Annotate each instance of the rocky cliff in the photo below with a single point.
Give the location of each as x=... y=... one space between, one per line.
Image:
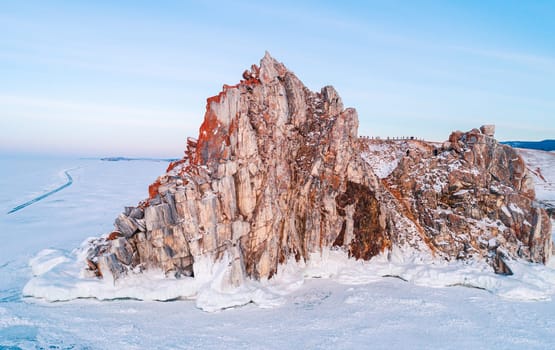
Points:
x=472 y=197
x=278 y=172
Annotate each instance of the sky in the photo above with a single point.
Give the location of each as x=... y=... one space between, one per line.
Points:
x=131 y=78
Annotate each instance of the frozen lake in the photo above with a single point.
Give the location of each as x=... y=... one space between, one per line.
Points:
x=320 y=314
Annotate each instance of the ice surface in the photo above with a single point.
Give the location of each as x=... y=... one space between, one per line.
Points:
x=59 y=279
x=329 y=303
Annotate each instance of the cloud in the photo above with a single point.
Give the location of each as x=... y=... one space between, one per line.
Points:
x=535 y=61
x=112 y=64
x=64 y=111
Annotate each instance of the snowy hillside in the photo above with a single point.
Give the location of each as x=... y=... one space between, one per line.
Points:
x=330 y=303
x=542 y=165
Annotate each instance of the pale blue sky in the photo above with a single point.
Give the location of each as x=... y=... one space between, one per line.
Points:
x=131 y=78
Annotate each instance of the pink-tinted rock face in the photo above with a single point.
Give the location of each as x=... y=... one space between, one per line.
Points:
x=277 y=172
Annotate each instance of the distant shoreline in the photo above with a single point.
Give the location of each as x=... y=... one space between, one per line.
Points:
x=545 y=145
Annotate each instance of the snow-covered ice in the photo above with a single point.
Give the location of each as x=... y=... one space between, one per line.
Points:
x=330 y=302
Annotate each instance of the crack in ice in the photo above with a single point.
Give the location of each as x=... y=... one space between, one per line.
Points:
x=43 y=196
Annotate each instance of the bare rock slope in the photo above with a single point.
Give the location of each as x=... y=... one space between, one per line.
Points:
x=279 y=172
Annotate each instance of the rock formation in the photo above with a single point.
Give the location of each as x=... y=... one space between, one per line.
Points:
x=472 y=197
x=277 y=172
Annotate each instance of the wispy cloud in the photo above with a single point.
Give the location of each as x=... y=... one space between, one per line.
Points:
x=533 y=60
x=105 y=63
x=64 y=110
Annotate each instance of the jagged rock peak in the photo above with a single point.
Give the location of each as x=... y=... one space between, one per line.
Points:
x=270 y=69
x=273 y=174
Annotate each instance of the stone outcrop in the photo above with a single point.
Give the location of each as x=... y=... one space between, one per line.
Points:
x=277 y=173
x=473 y=197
